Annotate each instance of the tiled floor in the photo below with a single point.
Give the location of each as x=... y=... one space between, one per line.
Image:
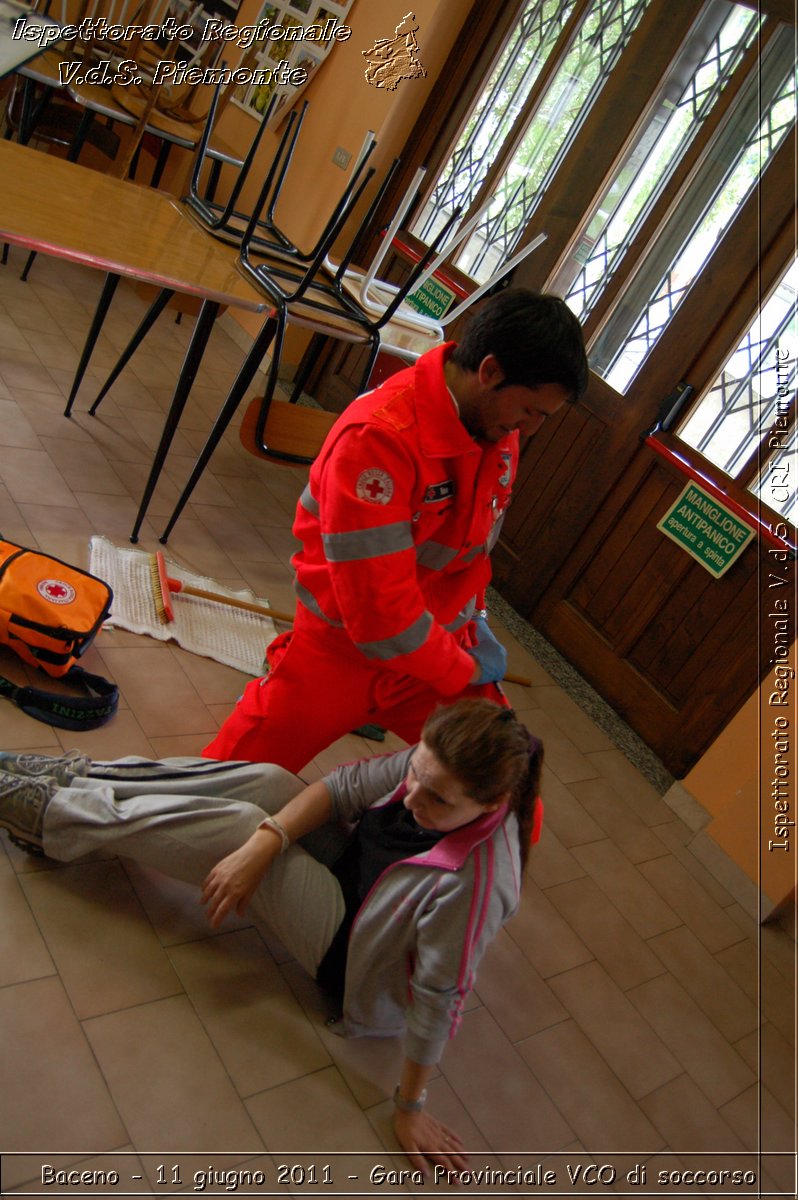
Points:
x=617 y=1018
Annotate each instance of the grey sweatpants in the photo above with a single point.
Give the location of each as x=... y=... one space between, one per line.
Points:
x=182 y=815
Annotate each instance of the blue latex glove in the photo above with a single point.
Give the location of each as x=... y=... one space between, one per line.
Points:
x=490 y=654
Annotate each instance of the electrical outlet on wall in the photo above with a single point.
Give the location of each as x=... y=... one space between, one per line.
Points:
x=341 y=158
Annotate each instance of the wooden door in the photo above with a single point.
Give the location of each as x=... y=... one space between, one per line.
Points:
x=673 y=649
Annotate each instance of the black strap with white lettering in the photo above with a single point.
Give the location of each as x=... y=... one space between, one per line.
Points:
x=66 y=711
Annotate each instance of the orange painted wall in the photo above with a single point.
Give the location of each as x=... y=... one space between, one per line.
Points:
x=734 y=782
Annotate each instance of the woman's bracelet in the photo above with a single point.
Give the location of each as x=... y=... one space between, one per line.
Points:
x=273 y=823
x=409 y=1105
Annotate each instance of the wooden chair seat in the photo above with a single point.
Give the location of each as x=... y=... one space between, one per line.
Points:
x=292 y=429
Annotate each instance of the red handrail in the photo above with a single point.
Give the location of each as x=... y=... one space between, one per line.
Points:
x=740 y=510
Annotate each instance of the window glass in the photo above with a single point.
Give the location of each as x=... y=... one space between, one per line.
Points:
x=758 y=123
x=495 y=113
x=695 y=82
x=595 y=49
x=752 y=402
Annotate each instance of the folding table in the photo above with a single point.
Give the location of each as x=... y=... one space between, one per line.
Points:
x=64 y=209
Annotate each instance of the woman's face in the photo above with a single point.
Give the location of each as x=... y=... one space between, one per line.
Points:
x=435 y=798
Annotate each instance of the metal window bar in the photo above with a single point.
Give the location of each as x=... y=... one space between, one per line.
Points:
x=740 y=422
x=602 y=36
x=496 y=111
x=728 y=174
x=617 y=218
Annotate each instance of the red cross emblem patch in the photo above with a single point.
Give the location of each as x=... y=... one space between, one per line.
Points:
x=56 y=591
x=374 y=485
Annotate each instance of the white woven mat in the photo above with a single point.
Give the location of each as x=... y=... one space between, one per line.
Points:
x=229 y=635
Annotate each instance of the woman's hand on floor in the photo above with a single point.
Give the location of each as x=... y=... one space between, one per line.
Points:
x=426 y=1140
x=231 y=884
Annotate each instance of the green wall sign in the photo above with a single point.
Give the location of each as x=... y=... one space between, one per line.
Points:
x=708 y=531
x=433 y=299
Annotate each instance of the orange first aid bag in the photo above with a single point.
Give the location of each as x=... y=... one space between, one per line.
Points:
x=49 y=615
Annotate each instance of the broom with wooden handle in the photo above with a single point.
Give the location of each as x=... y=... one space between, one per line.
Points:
x=163 y=586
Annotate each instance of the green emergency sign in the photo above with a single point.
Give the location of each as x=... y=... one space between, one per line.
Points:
x=708 y=531
x=433 y=299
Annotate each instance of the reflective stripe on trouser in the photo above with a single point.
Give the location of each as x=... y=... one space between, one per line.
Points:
x=190 y=816
x=321 y=689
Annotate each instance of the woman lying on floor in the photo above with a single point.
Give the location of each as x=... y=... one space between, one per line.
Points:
x=393 y=927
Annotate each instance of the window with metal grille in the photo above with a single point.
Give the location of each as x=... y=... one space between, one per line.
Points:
x=499 y=118
x=763 y=115
x=696 y=80
x=745 y=423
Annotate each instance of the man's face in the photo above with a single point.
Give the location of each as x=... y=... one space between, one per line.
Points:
x=497 y=411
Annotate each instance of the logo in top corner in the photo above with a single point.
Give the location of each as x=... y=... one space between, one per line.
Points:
x=390 y=60
x=56 y=591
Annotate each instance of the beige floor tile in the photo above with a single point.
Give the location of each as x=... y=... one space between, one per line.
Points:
x=550 y=863
x=775 y=996
x=15 y=428
x=503 y=1097
x=621 y=951
x=35 y=1070
x=543 y=936
x=618 y=821
x=571 y=719
x=159 y=692
x=625 y=1041
x=709 y=1060
x=513 y=991
x=88 y=471
x=104 y=947
x=23 y=952
x=772 y=1058
x=563 y=757
x=626 y=887
x=174 y=908
x=693 y=904
x=299 y=1116
x=121 y=736
x=21 y=373
x=593 y=1101
x=257 y=1027
x=681 y=841
x=704 y=978
x=631 y=785
x=759 y=1121
x=215 y=683
x=564 y=814
x=32 y=478
x=370 y=1066
x=167 y=1081
x=687 y=1120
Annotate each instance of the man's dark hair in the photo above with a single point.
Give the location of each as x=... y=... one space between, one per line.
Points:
x=535 y=337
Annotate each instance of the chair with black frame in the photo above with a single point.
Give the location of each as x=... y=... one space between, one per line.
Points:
x=274 y=179
x=307 y=299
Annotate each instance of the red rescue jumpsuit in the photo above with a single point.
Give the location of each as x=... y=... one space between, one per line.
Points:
x=397 y=524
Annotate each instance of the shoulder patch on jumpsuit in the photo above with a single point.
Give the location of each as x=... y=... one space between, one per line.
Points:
x=398 y=411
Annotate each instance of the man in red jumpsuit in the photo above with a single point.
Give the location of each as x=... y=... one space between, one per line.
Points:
x=403 y=507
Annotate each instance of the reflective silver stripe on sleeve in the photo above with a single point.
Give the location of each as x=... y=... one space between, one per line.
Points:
x=434 y=555
x=310 y=602
x=308 y=503
x=494 y=533
x=463 y=617
x=406 y=642
x=367 y=543
x=475 y=552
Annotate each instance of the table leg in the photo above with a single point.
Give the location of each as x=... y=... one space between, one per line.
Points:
x=150 y=317
x=188 y=372
x=106 y=296
x=243 y=379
